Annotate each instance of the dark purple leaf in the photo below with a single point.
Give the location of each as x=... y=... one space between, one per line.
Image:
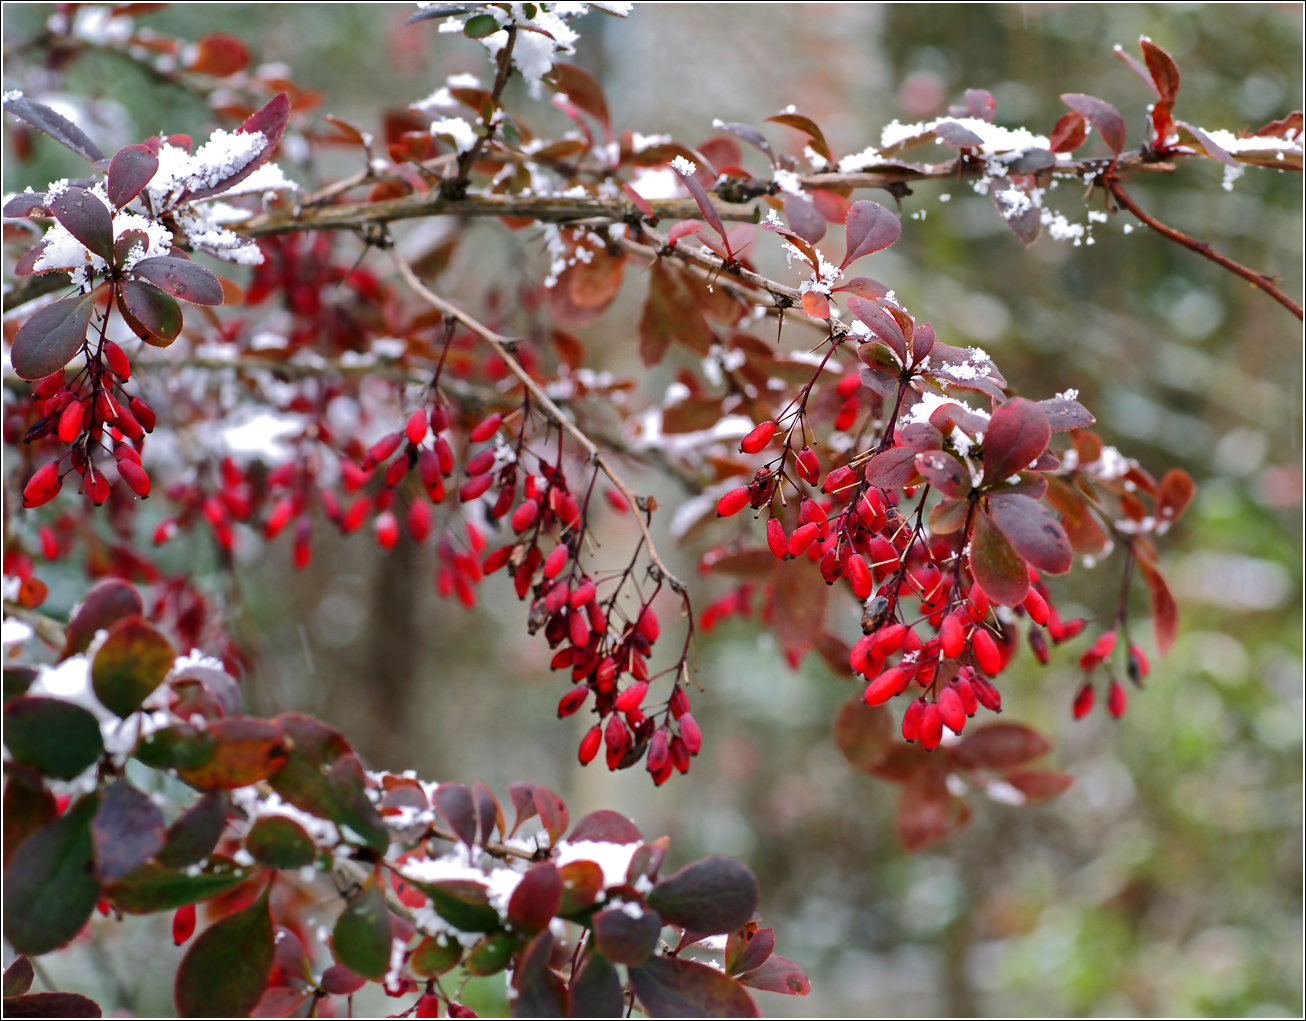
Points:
x=18 y=977
x=626 y=938
x=808 y=127
x=49 y=886
x=955 y=135
x=1102 y=115
x=778 y=975
x=540 y=990
x=149 y=311
x=54 y=736
x=710 y=896
x=361 y=938
x=944 y=472
x=646 y=861
x=49 y=340
x=1213 y=148
x=487 y=811
x=28 y=203
x=1031 y=161
x=1162 y=69
x=127 y=830
x=51 y=1005
x=705 y=205
x=892 y=468
x=271 y=122
x=870 y=228
x=749 y=134
x=226 y=969
x=103 y=606
x=1065 y=413
x=922 y=343
x=804 y=219
x=181 y=278
x=748 y=947
x=133 y=167
x=1033 y=531
x=606 y=827
x=340 y=981
x=56 y=126
x=981 y=104
x=596 y=989
x=536 y=899
x=673 y=987
x=523 y=802
x=87 y=219
x=1016 y=209
x=996 y=565
x=553 y=813
x=919 y=436
x=456 y=807
x=882 y=325
x=126 y=241
x=1017 y=433
x=195 y=833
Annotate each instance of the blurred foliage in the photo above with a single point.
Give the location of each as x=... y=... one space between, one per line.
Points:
x=1168 y=881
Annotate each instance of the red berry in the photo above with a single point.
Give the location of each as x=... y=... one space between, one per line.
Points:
x=690 y=734
x=585 y=591
x=134 y=475
x=776 y=538
x=1084 y=699
x=49 y=543
x=951 y=710
x=632 y=697
x=573 y=700
x=849 y=385
x=839 y=479
x=418 y=520
x=758 y=438
x=1039 y=644
x=733 y=502
x=387 y=530
x=802 y=537
x=556 y=560
x=383 y=448
x=985 y=651
x=183 y=924
x=808 y=465
x=911 y=720
x=589 y=745
x=1117 y=701
x=659 y=753
x=486 y=428
x=678 y=703
x=1037 y=608
x=476 y=487
x=481 y=463
x=117 y=359
x=142 y=413
x=886 y=686
x=648 y=625
x=444 y=455
x=43 y=486
x=1136 y=664
x=859 y=576
x=931 y=727
x=952 y=637
x=524 y=516
x=578 y=628
x=70 y=422
x=415 y=429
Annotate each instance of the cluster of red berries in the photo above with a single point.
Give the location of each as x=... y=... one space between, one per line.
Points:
x=82 y=412
x=1117 y=699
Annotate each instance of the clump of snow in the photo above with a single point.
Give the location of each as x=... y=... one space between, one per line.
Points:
x=613 y=859
x=464 y=137
x=684 y=166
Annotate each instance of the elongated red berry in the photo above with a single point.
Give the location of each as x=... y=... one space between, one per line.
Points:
x=589 y=745
x=383 y=448
x=951 y=711
x=475 y=487
x=690 y=734
x=1117 y=701
x=659 y=752
x=1037 y=608
x=1039 y=644
x=416 y=427
x=648 y=624
x=886 y=686
x=43 y=486
x=70 y=422
x=808 y=465
x=444 y=455
x=732 y=502
x=142 y=412
x=776 y=538
x=678 y=703
x=578 y=628
x=183 y=924
x=985 y=650
x=387 y=530
x=632 y=697
x=839 y=479
x=418 y=520
x=524 y=516
x=395 y=471
x=486 y=428
x=952 y=637
x=802 y=537
x=480 y=463
x=47 y=386
x=1136 y=664
x=859 y=576
x=573 y=700
x=930 y=732
x=1084 y=700
x=556 y=560
x=888 y=640
x=134 y=475
x=117 y=359
x=679 y=755
x=911 y=720
x=965 y=692
x=758 y=438
x=985 y=693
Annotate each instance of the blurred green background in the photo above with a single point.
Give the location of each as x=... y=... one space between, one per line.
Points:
x=1168 y=881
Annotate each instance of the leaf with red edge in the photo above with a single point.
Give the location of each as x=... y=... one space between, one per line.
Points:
x=927 y=811
x=132 y=168
x=675 y=987
x=892 y=468
x=1212 y=148
x=87 y=219
x=1087 y=537
x=671 y=313
x=1031 y=528
x=1069 y=134
x=748 y=947
x=523 y=802
x=870 y=228
x=226 y=969
x=981 y=104
x=712 y=895
x=704 y=202
x=152 y=315
x=181 y=278
x=152 y=888
x=278 y=842
x=1016 y=208
x=1102 y=115
x=52 y=1005
x=606 y=827
x=809 y=128
x=536 y=898
x=218 y=55
x=281 y=1001
x=456 y=807
x=1017 y=433
x=553 y=813
x=1165 y=615
x=584 y=90
x=49 y=886
x=804 y=219
x=487 y=811
x=361 y=938
x=55 y=125
x=1161 y=67
x=131 y=663
x=540 y=990
x=957 y=136
x=245 y=751
x=750 y=135
x=944 y=472
x=999 y=747
x=638 y=200
x=596 y=989
x=51 y=337
x=995 y=563
x=128 y=830
x=106 y=603
x=18 y=977
x=271 y=122
x=778 y=975
x=816 y=305
x=1177 y=489
x=863 y=733
x=56 y=737
x=1040 y=784
x=195 y=833
x=582 y=882
x=626 y=938
x=882 y=325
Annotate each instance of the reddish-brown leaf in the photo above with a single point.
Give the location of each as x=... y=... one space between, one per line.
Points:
x=536 y=899
x=1040 y=784
x=245 y=752
x=1033 y=531
x=1102 y=115
x=553 y=813
x=863 y=733
x=1018 y=432
x=995 y=563
x=999 y=747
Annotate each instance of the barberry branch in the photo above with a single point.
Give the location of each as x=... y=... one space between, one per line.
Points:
x=1261 y=280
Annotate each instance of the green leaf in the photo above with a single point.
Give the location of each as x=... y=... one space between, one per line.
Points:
x=671 y=987
x=52 y=1005
x=480 y=26
x=131 y=663
x=18 y=977
x=49 y=887
x=999 y=569
x=181 y=746
x=710 y=896
x=245 y=751
x=361 y=939
x=462 y=903
x=280 y=843
x=491 y=955
x=28 y=806
x=435 y=955
x=87 y=219
x=56 y=737
x=224 y=971
x=152 y=887
x=50 y=338
x=596 y=989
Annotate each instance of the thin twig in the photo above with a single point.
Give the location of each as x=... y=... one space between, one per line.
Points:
x=1265 y=283
x=499 y=345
